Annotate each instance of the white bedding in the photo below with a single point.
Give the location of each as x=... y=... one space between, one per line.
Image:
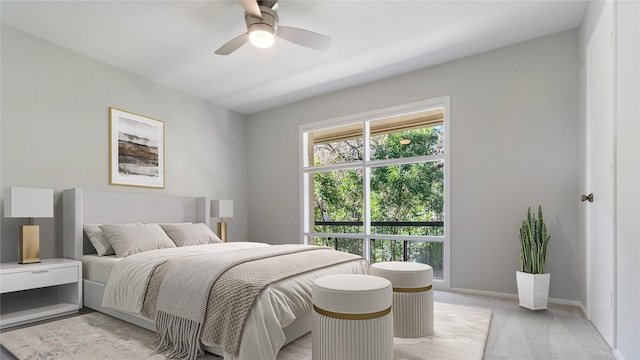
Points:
x=129 y=277
x=276 y=307
x=97 y=268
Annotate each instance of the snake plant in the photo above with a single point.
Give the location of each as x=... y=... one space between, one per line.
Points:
x=534 y=239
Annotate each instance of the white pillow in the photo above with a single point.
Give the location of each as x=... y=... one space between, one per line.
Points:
x=129 y=239
x=98 y=240
x=190 y=234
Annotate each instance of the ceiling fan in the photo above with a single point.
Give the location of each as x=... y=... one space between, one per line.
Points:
x=261 y=18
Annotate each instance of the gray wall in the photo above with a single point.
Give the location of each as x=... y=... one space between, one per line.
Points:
x=514 y=143
x=55 y=134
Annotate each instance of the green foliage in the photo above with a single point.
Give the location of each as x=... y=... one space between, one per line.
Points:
x=534 y=239
x=351 y=246
x=425 y=141
x=338 y=194
x=409 y=191
x=422 y=252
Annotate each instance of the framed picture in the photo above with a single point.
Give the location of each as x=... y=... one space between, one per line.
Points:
x=137 y=150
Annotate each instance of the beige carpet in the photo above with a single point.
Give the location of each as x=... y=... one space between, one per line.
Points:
x=460 y=333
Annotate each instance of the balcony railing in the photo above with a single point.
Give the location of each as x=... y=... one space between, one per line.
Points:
x=421 y=228
x=392 y=225
x=381 y=223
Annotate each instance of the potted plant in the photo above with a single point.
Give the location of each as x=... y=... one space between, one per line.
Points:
x=533 y=283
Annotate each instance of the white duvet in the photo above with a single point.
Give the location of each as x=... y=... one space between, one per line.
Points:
x=277 y=306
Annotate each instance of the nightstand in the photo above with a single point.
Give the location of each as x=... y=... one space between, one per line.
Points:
x=33 y=292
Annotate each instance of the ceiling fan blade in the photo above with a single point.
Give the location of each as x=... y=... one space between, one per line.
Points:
x=251 y=7
x=305 y=38
x=233 y=45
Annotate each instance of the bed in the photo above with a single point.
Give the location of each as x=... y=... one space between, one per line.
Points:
x=280 y=314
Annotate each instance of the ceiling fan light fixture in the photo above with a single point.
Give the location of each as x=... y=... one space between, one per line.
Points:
x=262 y=36
x=261 y=18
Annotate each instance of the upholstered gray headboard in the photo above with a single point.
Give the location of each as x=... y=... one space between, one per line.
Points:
x=92 y=207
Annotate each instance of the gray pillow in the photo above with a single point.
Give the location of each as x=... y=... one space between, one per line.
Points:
x=98 y=240
x=129 y=239
x=190 y=234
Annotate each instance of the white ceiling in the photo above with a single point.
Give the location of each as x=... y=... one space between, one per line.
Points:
x=173 y=42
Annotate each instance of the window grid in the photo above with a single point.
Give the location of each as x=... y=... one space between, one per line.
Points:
x=308 y=169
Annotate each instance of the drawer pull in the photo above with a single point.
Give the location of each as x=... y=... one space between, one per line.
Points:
x=40 y=271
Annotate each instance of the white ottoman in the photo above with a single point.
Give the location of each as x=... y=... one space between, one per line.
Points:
x=412 y=296
x=352 y=318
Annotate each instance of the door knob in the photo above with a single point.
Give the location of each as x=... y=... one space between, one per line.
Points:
x=587 y=197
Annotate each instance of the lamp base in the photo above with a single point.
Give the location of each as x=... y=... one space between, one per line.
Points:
x=29 y=244
x=222 y=231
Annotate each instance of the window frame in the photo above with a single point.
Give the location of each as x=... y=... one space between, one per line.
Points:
x=366 y=165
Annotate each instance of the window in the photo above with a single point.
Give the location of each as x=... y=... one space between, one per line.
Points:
x=375 y=185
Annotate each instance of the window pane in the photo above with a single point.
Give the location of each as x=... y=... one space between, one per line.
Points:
x=338 y=145
x=408 y=135
x=404 y=166
x=352 y=246
x=429 y=253
x=338 y=201
x=408 y=199
x=387 y=250
x=426 y=141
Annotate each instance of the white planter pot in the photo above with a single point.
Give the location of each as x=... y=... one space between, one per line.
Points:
x=533 y=290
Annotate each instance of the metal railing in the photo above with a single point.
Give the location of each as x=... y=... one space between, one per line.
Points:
x=382 y=223
x=389 y=224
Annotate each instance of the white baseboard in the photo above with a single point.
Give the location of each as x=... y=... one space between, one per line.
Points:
x=575 y=303
x=485 y=293
x=515 y=296
x=617 y=355
x=584 y=310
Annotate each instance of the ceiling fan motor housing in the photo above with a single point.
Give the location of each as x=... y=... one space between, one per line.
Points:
x=269 y=21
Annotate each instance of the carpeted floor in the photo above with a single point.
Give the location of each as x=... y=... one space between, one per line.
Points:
x=559 y=333
x=461 y=332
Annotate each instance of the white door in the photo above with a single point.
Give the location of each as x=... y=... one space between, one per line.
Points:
x=600 y=175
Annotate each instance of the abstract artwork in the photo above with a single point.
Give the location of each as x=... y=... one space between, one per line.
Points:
x=137 y=150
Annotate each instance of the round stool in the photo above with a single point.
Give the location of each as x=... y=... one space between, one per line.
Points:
x=412 y=296
x=352 y=318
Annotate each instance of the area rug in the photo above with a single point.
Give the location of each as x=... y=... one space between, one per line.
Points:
x=460 y=333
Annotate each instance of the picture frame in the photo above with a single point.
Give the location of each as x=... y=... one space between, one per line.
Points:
x=136 y=148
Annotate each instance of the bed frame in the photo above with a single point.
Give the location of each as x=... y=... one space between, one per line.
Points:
x=91 y=207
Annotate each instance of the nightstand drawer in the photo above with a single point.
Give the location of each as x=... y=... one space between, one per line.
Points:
x=38 y=278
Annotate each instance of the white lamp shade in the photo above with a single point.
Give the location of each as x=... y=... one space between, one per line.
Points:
x=221 y=208
x=28 y=203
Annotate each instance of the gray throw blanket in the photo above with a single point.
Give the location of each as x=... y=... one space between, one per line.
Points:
x=183 y=297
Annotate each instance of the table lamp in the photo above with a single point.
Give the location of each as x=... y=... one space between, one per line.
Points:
x=28 y=203
x=222 y=209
